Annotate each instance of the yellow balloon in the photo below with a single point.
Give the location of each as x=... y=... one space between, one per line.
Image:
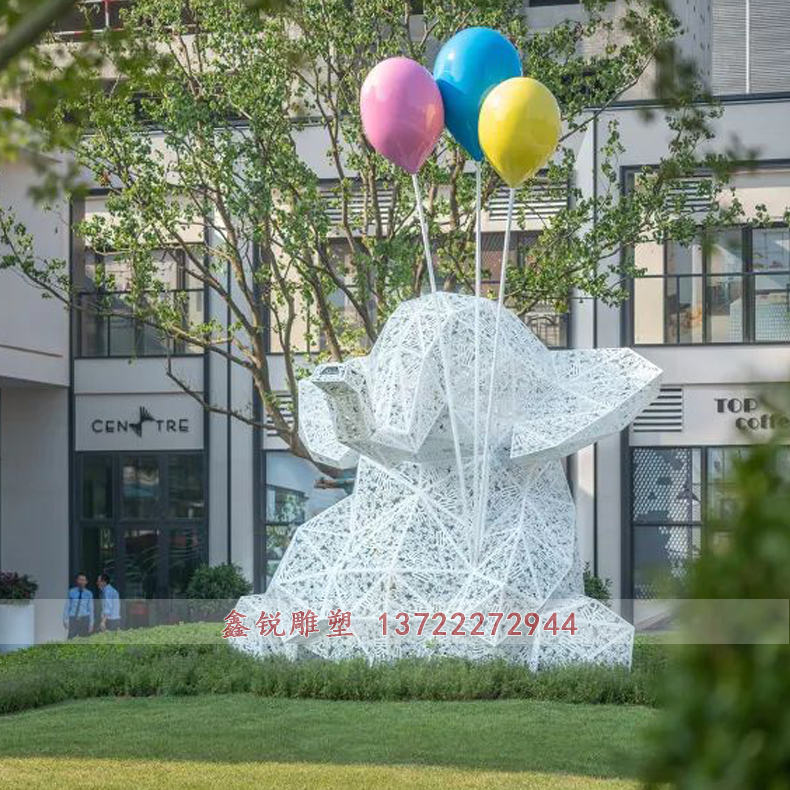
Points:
x=519 y=128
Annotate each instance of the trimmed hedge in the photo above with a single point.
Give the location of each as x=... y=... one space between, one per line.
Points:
x=49 y=674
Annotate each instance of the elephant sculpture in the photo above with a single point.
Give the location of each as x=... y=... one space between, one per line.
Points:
x=434 y=524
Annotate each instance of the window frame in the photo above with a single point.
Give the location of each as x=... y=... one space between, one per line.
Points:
x=261 y=520
x=119 y=524
x=551 y=3
x=747 y=276
x=520 y=241
x=138 y=328
x=706 y=483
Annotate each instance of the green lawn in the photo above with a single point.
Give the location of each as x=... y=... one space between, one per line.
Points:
x=197 y=742
x=71 y=774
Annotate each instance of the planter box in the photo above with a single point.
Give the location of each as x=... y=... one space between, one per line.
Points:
x=17 y=625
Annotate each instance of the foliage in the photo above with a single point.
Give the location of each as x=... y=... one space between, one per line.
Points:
x=16 y=587
x=215 y=589
x=727 y=724
x=218 y=581
x=203 y=132
x=39 y=73
x=125 y=664
x=596 y=587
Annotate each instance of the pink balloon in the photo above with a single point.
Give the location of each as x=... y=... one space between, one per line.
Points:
x=402 y=112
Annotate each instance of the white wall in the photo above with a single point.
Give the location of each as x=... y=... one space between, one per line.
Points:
x=34 y=495
x=759 y=126
x=34 y=338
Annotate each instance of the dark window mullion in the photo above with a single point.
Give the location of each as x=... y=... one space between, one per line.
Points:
x=664 y=274
x=749 y=330
x=107 y=324
x=706 y=247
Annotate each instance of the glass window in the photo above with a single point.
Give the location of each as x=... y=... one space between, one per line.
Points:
x=720 y=501
x=684 y=309
x=666 y=485
x=122 y=336
x=153 y=545
x=97 y=487
x=649 y=293
x=724 y=251
x=296 y=490
x=187 y=550
x=725 y=309
x=151 y=342
x=192 y=311
x=731 y=286
x=549 y=325
x=684 y=260
x=648 y=313
x=140 y=487
x=771 y=249
x=141 y=567
x=661 y=559
x=185 y=484
x=97 y=552
x=491 y=260
x=107 y=326
x=543 y=320
x=83 y=16
x=94 y=330
x=771 y=257
x=671 y=489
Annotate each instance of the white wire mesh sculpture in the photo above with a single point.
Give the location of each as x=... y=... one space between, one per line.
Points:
x=411 y=538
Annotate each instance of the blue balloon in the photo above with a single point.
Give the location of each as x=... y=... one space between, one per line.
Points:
x=466 y=68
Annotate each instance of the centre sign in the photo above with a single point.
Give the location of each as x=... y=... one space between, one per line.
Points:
x=138 y=422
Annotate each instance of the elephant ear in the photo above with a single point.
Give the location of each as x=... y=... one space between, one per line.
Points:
x=589 y=394
x=317 y=429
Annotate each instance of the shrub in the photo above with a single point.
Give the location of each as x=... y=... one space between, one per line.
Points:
x=16 y=587
x=101 y=666
x=217 y=588
x=596 y=587
x=218 y=581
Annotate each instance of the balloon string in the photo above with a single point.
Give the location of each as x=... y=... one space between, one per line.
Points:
x=426 y=242
x=478 y=294
x=486 y=472
x=459 y=461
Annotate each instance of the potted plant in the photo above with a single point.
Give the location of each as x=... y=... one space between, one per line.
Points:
x=17 y=614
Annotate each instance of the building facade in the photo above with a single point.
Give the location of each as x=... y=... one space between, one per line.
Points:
x=106 y=464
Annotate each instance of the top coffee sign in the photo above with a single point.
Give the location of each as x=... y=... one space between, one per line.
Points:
x=750 y=414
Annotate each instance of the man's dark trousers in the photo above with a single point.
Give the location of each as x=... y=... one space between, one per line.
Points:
x=79 y=626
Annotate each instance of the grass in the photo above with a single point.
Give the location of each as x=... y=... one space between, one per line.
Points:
x=175 y=707
x=39 y=774
x=284 y=743
x=178 y=661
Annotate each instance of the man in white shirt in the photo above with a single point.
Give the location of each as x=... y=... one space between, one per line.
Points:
x=110 y=604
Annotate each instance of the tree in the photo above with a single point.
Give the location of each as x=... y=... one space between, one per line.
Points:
x=201 y=129
x=33 y=84
x=25 y=27
x=725 y=723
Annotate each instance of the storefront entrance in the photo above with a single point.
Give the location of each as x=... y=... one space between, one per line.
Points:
x=141 y=518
